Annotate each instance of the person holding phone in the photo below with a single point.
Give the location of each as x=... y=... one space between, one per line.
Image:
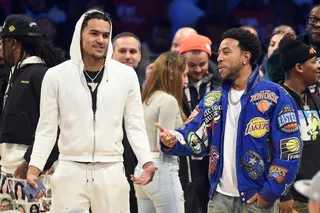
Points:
x=88 y=97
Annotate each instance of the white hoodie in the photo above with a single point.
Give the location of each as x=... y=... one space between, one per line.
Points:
x=66 y=101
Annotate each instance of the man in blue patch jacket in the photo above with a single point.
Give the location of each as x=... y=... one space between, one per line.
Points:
x=249 y=129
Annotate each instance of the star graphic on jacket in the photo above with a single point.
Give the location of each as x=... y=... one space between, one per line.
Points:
x=252 y=161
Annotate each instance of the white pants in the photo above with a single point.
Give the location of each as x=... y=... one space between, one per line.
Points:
x=77 y=186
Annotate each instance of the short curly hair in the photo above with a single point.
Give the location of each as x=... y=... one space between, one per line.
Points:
x=247 y=42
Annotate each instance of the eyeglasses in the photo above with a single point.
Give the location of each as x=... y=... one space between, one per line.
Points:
x=312 y=21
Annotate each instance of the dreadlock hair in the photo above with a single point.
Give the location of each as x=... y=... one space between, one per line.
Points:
x=247 y=42
x=39 y=46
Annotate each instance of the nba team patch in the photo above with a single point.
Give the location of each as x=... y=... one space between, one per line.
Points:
x=257 y=127
x=193 y=115
x=202 y=133
x=213 y=160
x=211 y=98
x=212 y=114
x=278 y=173
x=290 y=148
x=253 y=164
x=287 y=120
x=263 y=100
x=194 y=143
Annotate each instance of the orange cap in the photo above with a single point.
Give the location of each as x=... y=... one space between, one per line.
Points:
x=196 y=42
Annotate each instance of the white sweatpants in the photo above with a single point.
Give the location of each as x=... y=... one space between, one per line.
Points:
x=77 y=186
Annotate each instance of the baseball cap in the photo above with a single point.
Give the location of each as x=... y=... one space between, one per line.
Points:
x=19 y=25
x=309 y=188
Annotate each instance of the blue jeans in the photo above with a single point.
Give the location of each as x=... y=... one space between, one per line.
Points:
x=164 y=194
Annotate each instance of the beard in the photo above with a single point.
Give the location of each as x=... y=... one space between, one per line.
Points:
x=232 y=72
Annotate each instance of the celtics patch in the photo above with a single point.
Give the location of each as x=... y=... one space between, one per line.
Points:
x=257 y=127
x=290 y=148
x=263 y=100
x=253 y=164
x=211 y=98
x=278 y=173
x=194 y=143
x=287 y=120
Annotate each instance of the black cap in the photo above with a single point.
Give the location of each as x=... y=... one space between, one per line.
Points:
x=19 y=25
x=293 y=52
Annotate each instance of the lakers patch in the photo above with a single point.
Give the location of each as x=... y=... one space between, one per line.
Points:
x=212 y=98
x=194 y=143
x=264 y=100
x=290 y=148
x=278 y=173
x=193 y=115
x=257 y=127
x=287 y=120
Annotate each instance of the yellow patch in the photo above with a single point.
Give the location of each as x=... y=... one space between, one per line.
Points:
x=257 y=127
x=12 y=28
x=24 y=82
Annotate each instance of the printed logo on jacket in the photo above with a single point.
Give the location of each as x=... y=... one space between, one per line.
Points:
x=290 y=148
x=278 y=173
x=263 y=100
x=287 y=120
x=211 y=98
x=253 y=164
x=258 y=127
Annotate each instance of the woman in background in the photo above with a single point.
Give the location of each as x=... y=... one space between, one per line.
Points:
x=162 y=103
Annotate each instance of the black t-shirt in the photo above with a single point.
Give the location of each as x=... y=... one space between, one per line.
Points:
x=93 y=84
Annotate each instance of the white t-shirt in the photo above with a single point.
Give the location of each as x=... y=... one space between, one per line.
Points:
x=228 y=184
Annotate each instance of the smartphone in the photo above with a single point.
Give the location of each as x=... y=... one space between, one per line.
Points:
x=31 y=192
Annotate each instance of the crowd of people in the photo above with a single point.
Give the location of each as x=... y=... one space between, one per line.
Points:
x=193 y=129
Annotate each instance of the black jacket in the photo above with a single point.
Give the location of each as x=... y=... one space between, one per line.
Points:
x=310 y=134
x=210 y=81
x=20 y=115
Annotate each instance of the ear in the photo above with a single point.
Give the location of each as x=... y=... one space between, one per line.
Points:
x=14 y=44
x=298 y=67
x=246 y=57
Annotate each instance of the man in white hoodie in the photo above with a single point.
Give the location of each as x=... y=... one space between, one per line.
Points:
x=87 y=97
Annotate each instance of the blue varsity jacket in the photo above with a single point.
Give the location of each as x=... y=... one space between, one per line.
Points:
x=268 y=146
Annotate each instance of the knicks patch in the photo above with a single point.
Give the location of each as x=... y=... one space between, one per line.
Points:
x=213 y=160
x=290 y=148
x=253 y=164
x=257 y=127
x=287 y=120
x=193 y=115
x=194 y=143
x=278 y=173
x=263 y=100
x=211 y=98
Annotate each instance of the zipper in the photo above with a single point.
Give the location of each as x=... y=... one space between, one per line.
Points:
x=94 y=136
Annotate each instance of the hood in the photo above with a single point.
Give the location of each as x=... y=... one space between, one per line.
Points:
x=75 y=48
